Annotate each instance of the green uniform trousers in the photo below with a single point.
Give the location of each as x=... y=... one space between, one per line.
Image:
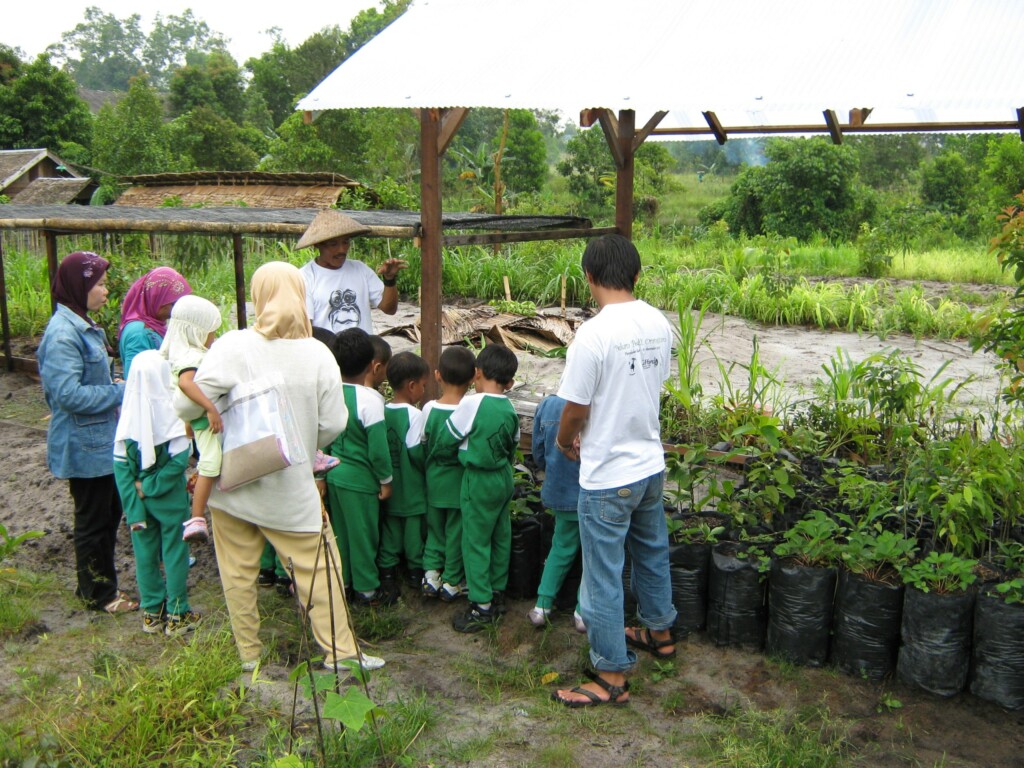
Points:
x=486 y=531
x=355 y=518
x=565 y=545
x=160 y=541
x=269 y=561
x=442 y=550
x=402 y=536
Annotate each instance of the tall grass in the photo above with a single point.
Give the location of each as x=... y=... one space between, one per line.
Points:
x=762 y=279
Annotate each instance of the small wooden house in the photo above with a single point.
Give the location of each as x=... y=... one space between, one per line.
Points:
x=39 y=177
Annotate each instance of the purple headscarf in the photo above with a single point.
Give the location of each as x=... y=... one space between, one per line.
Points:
x=150 y=292
x=78 y=274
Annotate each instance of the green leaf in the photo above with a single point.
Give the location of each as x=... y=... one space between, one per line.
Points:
x=351 y=709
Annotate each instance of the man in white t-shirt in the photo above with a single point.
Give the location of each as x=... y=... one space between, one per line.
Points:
x=341 y=291
x=612 y=383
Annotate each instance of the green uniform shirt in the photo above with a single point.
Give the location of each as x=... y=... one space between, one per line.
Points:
x=362 y=448
x=443 y=471
x=486 y=429
x=163 y=483
x=405 y=430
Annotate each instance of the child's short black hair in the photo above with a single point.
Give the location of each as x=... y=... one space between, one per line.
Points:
x=405 y=367
x=381 y=349
x=612 y=261
x=498 y=363
x=354 y=351
x=324 y=336
x=457 y=366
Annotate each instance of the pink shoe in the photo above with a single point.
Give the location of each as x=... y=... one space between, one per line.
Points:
x=323 y=463
x=195 y=530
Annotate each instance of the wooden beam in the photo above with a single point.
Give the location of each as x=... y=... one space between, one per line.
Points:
x=239 y=255
x=490 y=238
x=957 y=127
x=430 y=239
x=859 y=115
x=588 y=117
x=834 y=129
x=610 y=126
x=451 y=120
x=1020 y=121
x=715 y=126
x=307 y=118
x=643 y=133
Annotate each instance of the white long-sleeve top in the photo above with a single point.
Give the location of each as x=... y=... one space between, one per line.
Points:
x=286 y=500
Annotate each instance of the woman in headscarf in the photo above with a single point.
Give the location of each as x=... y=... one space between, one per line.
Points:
x=283 y=507
x=145 y=311
x=74 y=365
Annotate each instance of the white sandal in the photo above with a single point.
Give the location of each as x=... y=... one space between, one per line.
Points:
x=121 y=604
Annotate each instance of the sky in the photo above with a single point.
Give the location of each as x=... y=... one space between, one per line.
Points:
x=32 y=27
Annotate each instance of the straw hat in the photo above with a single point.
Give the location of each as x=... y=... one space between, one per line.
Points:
x=329 y=224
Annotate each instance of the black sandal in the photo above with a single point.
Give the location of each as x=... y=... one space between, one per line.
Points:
x=644 y=640
x=615 y=693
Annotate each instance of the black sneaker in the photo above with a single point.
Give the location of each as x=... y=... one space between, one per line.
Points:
x=389 y=591
x=283 y=585
x=414 y=577
x=267 y=578
x=474 y=619
x=375 y=599
x=498 y=602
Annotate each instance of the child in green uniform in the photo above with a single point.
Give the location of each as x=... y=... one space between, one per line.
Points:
x=442 y=551
x=190 y=332
x=403 y=523
x=363 y=478
x=378 y=372
x=485 y=430
x=151 y=451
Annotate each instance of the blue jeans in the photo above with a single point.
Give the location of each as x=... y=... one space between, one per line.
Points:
x=611 y=520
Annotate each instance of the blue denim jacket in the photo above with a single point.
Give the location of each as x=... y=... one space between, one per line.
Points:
x=83 y=400
x=561 y=488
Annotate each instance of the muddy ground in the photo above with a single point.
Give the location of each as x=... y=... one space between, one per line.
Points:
x=670 y=709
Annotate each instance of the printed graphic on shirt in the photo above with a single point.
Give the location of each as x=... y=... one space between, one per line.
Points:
x=344 y=310
x=641 y=354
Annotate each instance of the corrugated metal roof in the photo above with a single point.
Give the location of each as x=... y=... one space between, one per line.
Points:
x=751 y=62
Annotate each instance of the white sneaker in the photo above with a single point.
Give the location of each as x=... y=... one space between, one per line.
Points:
x=581 y=626
x=450 y=592
x=369 y=663
x=431 y=583
x=538 y=616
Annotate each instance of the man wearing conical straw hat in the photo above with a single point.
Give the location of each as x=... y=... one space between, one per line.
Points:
x=341 y=291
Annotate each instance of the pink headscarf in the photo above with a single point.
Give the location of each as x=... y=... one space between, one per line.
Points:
x=150 y=292
x=78 y=274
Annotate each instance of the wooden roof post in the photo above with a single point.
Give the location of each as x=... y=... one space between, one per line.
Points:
x=437 y=128
x=430 y=236
x=236 y=242
x=51 y=262
x=4 y=319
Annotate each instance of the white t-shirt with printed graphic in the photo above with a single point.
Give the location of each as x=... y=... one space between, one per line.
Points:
x=341 y=298
x=617 y=364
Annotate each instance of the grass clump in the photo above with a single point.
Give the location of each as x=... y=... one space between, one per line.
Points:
x=775 y=739
x=174 y=712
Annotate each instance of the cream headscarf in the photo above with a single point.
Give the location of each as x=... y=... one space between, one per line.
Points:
x=192 y=321
x=147 y=416
x=279 y=293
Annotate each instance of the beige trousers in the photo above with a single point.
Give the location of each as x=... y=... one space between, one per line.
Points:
x=239 y=545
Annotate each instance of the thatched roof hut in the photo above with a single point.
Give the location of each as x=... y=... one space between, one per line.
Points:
x=246 y=188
